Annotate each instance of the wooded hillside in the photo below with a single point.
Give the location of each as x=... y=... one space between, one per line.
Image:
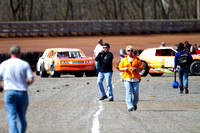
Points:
x=50 y=10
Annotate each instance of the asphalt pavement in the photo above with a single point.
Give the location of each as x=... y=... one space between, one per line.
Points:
x=70 y=105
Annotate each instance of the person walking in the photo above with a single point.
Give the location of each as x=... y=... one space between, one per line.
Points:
x=97 y=50
x=105 y=59
x=130 y=67
x=182 y=61
x=17 y=75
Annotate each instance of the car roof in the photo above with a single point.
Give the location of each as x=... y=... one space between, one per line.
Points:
x=63 y=49
x=162 y=48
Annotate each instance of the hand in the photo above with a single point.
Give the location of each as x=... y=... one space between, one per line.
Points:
x=124 y=69
x=134 y=68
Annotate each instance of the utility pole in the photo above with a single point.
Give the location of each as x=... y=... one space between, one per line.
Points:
x=198 y=11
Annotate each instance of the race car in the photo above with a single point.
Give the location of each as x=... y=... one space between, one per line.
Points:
x=157 y=61
x=57 y=61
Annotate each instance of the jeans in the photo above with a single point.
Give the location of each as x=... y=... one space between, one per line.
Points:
x=108 y=76
x=97 y=67
x=183 y=74
x=131 y=88
x=16 y=104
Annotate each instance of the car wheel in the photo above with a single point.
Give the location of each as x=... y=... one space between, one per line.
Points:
x=156 y=74
x=54 y=73
x=79 y=74
x=146 y=69
x=43 y=72
x=37 y=72
x=195 y=68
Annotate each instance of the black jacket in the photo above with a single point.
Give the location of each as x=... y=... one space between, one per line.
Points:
x=105 y=61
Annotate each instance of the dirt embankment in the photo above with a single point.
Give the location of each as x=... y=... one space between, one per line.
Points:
x=88 y=43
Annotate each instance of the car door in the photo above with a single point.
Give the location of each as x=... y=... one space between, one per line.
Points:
x=165 y=59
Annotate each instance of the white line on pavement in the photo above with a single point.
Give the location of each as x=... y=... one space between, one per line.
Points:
x=95 y=127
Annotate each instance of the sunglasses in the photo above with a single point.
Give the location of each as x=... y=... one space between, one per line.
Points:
x=105 y=47
x=130 y=50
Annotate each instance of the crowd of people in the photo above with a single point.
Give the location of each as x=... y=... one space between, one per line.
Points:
x=187 y=47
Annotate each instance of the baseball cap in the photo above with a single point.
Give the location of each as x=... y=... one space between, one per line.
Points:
x=15 y=50
x=163 y=43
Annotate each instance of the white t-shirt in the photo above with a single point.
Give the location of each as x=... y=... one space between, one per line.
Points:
x=15 y=72
x=98 y=49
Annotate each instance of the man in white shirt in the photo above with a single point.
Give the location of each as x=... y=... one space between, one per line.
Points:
x=17 y=75
x=97 y=50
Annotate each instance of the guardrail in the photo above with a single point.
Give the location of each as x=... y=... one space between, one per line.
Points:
x=30 y=57
x=97 y=27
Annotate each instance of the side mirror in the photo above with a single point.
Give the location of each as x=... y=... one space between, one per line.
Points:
x=122 y=53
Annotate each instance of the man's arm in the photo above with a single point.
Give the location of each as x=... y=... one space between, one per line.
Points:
x=30 y=81
x=98 y=57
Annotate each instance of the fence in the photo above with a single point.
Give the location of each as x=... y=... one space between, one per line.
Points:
x=30 y=57
x=91 y=27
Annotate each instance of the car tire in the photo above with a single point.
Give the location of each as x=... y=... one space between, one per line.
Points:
x=146 y=69
x=54 y=73
x=43 y=72
x=195 y=68
x=79 y=74
x=156 y=74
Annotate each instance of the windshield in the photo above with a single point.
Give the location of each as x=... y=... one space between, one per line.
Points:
x=70 y=54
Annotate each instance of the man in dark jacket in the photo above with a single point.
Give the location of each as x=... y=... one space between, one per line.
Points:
x=183 y=60
x=105 y=59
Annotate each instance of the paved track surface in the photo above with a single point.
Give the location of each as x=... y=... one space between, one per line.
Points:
x=71 y=105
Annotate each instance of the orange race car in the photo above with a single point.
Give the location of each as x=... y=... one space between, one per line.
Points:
x=157 y=61
x=57 y=61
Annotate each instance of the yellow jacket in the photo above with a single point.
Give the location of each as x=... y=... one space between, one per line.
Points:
x=130 y=74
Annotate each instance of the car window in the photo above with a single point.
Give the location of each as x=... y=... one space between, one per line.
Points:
x=52 y=54
x=63 y=54
x=165 y=52
x=76 y=54
x=46 y=53
x=70 y=54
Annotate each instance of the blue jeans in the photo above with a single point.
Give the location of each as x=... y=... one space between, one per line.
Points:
x=131 y=88
x=183 y=74
x=16 y=104
x=108 y=76
x=97 y=67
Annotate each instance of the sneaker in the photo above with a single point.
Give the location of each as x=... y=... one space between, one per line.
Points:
x=111 y=99
x=135 y=107
x=130 y=109
x=181 y=92
x=186 y=90
x=103 y=97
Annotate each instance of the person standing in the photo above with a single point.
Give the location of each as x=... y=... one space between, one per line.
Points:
x=17 y=75
x=105 y=59
x=182 y=60
x=97 y=50
x=189 y=47
x=130 y=67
